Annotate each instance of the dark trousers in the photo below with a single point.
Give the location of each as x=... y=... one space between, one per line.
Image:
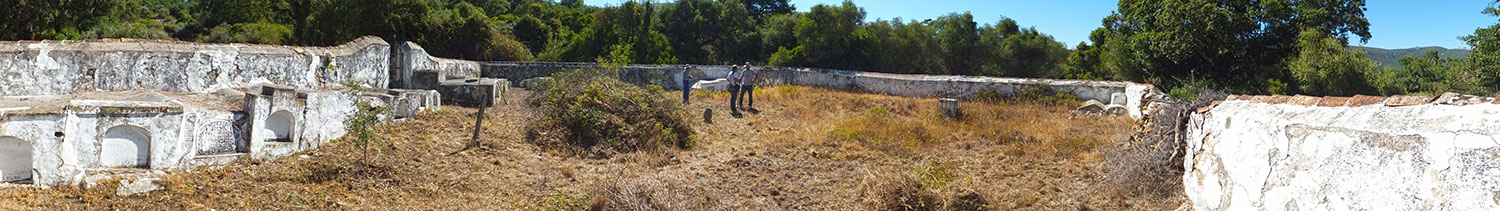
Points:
x=687 y=88
x=734 y=97
x=749 y=95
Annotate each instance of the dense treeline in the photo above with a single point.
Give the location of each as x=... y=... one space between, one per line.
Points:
x=1269 y=47
x=1245 y=46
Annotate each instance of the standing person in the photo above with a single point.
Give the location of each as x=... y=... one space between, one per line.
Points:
x=734 y=88
x=748 y=86
x=687 y=86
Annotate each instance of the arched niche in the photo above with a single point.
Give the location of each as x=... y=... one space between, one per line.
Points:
x=15 y=159
x=125 y=146
x=280 y=125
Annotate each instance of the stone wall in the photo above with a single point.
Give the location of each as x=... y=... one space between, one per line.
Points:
x=75 y=112
x=409 y=58
x=1344 y=153
x=65 y=67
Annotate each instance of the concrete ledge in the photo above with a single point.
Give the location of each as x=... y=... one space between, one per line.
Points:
x=472 y=92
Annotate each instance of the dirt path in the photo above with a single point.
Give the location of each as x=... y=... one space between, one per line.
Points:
x=806 y=149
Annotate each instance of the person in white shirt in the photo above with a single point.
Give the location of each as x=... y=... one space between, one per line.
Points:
x=734 y=88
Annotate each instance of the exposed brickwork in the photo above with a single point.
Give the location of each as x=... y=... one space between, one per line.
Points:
x=1334 y=101
x=1364 y=100
x=1278 y=99
x=1260 y=98
x=1403 y=100
x=1304 y=100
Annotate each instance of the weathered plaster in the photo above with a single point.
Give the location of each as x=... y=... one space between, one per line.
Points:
x=1249 y=155
x=66 y=67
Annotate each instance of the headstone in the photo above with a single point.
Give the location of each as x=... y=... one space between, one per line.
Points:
x=708 y=115
x=949 y=107
x=1091 y=107
x=1118 y=98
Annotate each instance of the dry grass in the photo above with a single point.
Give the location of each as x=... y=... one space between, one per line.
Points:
x=806 y=149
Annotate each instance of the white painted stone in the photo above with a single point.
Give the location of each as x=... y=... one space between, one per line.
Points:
x=716 y=85
x=281 y=124
x=139 y=186
x=15 y=159
x=125 y=146
x=1253 y=156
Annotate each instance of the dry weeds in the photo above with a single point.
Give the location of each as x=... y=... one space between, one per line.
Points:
x=806 y=149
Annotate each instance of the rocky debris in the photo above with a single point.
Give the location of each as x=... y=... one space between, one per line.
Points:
x=139 y=186
x=1096 y=108
x=950 y=107
x=1462 y=99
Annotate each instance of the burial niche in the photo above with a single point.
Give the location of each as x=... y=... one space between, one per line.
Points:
x=126 y=146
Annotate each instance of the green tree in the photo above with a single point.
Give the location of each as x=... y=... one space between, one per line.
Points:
x=1242 y=43
x=961 y=49
x=826 y=35
x=762 y=7
x=1485 y=58
x=1325 y=67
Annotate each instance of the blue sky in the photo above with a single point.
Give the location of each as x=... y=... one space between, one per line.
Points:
x=1393 y=23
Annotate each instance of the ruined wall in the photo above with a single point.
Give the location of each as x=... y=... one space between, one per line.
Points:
x=1344 y=153
x=409 y=57
x=72 y=66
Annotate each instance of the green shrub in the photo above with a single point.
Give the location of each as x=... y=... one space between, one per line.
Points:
x=589 y=112
x=142 y=29
x=361 y=125
x=786 y=58
x=1035 y=95
x=259 y=32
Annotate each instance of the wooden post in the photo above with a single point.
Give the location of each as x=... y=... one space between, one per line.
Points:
x=478 y=123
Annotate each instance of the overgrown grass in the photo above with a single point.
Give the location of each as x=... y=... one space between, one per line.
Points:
x=925 y=187
x=586 y=111
x=1026 y=123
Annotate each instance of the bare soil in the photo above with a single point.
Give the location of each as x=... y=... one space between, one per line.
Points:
x=804 y=149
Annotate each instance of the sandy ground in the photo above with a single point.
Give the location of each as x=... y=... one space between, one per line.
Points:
x=787 y=156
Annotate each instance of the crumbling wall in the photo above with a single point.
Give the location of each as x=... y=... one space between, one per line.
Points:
x=409 y=57
x=73 y=66
x=1344 y=153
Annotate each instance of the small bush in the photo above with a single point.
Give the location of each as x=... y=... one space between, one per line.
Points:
x=1149 y=165
x=260 y=33
x=129 y=29
x=587 y=111
x=361 y=125
x=926 y=188
x=1033 y=95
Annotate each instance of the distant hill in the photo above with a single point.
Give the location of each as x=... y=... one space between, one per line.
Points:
x=1392 y=57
